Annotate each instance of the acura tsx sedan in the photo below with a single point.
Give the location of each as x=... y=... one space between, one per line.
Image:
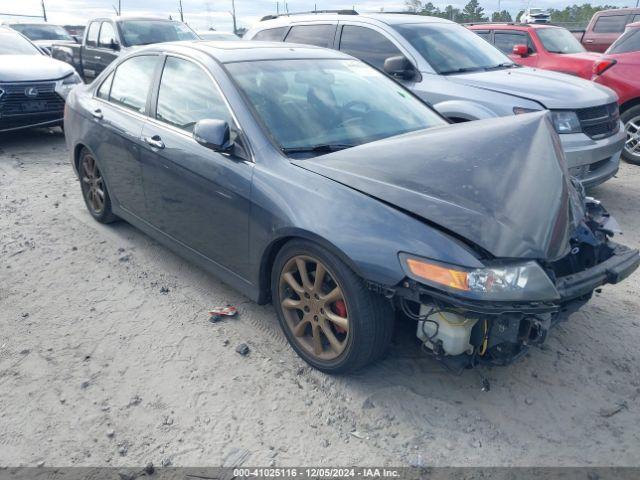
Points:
x=304 y=177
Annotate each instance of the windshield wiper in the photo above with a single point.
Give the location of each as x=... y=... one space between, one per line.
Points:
x=502 y=65
x=462 y=70
x=322 y=148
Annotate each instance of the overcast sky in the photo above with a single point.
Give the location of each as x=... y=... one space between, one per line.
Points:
x=201 y=14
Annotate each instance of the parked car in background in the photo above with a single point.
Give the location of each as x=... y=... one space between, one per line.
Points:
x=541 y=46
x=216 y=35
x=44 y=34
x=181 y=139
x=107 y=38
x=535 y=15
x=466 y=78
x=619 y=69
x=33 y=87
x=606 y=26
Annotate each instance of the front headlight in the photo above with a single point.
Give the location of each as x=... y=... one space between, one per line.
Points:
x=64 y=86
x=566 y=121
x=501 y=281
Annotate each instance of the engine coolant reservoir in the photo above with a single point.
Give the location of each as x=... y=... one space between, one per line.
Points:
x=453 y=330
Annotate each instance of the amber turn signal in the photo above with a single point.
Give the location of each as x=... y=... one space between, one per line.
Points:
x=434 y=273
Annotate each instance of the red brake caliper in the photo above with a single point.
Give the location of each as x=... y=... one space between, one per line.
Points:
x=339 y=308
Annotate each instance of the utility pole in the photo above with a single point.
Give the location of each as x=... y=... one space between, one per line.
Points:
x=181 y=12
x=44 y=11
x=233 y=15
x=119 y=7
x=277 y=8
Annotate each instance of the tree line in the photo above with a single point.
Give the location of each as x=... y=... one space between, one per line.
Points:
x=473 y=12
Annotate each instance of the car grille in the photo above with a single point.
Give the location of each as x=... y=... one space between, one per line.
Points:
x=21 y=105
x=600 y=122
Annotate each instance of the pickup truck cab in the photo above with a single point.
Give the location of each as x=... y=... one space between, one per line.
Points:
x=541 y=46
x=465 y=78
x=606 y=26
x=107 y=38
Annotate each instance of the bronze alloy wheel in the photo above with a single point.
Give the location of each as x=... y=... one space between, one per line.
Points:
x=314 y=307
x=94 y=190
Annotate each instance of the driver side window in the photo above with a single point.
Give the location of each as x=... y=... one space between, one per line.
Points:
x=188 y=95
x=367 y=45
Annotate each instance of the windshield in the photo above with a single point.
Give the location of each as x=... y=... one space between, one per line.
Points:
x=326 y=105
x=12 y=43
x=145 y=32
x=451 y=48
x=629 y=41
x=537 y=11
x=559 y=40
x=42 y=32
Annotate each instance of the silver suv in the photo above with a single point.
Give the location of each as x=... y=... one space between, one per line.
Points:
x=465 y=78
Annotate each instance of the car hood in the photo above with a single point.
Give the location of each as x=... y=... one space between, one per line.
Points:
x=32 y=68
x=551 y=89
x=500 y=184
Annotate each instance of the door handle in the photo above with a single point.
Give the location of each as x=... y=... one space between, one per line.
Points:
x=588 y=41
x=155 y=141
x=97 y=57
x=97 y=113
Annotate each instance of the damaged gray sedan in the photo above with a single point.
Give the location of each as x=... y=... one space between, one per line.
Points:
x=306 y=178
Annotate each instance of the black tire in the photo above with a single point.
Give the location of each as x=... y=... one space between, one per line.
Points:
x=626 y=117
x=90 y=185
x=370 y=316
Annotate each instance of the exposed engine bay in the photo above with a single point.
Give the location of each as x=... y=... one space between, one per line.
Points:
x=463 y=333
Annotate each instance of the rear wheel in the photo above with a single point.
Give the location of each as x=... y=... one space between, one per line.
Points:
x=631 y=120
x=94 y=189
x=328 y=315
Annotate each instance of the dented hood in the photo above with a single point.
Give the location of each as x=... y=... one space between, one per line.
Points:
x=500 y=184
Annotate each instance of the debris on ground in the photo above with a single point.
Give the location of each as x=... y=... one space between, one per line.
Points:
x=110 y=433
x=359 y=435
x=164 y=290
x=243 y=349
x=166 y=462
x=218 y=313
x=610 y=412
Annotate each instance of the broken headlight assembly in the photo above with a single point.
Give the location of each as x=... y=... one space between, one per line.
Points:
x=500 y=281
x=64 y=86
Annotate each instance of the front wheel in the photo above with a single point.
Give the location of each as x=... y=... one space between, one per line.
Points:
x=631 y=120
x=328 y=315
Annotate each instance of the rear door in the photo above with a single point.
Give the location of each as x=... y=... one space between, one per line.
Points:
x=121 y=111
x=320 y=35
x=198 y=197
x=505 y=40
x=90 y=53
x=606 y=29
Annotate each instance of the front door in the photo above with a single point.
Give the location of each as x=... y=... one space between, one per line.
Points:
x=196 y=196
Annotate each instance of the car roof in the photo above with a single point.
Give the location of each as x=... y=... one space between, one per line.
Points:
x=512 y=26
x=388 y=18
x=228 y=51
x=616 y=11
x=123 y=18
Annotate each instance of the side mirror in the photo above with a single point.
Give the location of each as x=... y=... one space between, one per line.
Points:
x=76 y=38
x=520 y=50
x=114 y=45
x=400 y=67
x=213 y=134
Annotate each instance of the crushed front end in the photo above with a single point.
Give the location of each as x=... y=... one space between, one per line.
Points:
x=467 y=317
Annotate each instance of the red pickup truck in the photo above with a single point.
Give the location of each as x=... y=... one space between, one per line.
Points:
x=541 y=46
x=606 y=26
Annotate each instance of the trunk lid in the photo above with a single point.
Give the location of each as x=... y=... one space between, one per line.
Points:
x=500 y=183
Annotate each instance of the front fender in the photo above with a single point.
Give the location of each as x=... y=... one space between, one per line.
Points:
x=464 y=110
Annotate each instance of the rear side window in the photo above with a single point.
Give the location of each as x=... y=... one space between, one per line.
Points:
x=107 y=35
x=132 y=82
x=105 y=88
x=270 y=34
x=636 y=18
x=610 y=24
x=628 y=42
x=92 y=34
x=183 y=107
x=368 y=45
x=486 y=34
x=505 y=41
x=318 y=35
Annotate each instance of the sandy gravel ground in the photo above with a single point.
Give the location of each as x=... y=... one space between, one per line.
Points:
x=107 y=357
